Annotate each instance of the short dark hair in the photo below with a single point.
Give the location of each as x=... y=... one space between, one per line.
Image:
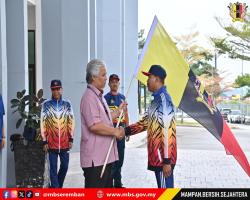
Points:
x=162 y=80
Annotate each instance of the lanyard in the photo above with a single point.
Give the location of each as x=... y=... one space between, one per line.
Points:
x=100 y=98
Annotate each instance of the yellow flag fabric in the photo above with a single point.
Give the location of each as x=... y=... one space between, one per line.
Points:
x=160 y=49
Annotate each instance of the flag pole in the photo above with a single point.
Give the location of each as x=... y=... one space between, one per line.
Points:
x=110 y=146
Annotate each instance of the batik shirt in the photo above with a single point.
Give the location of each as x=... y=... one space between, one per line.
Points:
x=160 y=124
x=114 y=101
x=57 y=123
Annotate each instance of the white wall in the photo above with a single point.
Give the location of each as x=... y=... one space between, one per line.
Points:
x=131 y=56
x=117 y=44
x=17 y=59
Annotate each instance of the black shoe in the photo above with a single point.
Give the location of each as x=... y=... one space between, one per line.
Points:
x=118 y=185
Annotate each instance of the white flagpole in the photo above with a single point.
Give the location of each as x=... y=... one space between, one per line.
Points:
x=117 y=125
x=110 y=146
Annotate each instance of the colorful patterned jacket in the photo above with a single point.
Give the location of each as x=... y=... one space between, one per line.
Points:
x=160 y=124
x=57 y=124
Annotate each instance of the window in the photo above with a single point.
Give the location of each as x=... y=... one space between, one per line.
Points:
x=32 y=61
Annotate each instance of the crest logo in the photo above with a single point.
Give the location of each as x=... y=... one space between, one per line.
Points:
x=203 y=97
x=238 y=11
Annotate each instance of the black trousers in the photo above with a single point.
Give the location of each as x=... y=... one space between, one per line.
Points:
x=117 y=166
x=93 y=180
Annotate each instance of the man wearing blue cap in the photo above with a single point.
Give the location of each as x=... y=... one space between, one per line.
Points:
x=161 y=128
x=57 y=129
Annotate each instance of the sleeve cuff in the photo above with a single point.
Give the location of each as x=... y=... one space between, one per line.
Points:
x=127 y=131
x=71 y=140
x=166 y=161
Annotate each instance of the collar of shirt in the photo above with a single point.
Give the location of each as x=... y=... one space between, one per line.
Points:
x=97 y=91
x=55 y=100
x=158 y=92
x=110 y=94
x=163 y=89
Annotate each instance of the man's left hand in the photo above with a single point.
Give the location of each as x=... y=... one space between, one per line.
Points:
x=167 y=170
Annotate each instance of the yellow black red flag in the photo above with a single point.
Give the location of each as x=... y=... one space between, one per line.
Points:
x=185 y=89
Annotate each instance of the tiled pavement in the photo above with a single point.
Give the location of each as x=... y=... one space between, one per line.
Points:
x=195 y=168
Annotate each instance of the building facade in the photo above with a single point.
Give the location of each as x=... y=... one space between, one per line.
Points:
x=41 y=40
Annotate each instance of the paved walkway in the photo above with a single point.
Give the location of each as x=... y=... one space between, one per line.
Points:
x=195 y=168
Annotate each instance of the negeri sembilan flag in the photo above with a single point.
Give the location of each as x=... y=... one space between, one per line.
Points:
x=186 y=90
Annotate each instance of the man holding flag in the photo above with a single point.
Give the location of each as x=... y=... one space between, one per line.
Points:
x=186 y=91
x=161 y=129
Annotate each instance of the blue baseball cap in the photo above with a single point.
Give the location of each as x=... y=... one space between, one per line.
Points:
x=114 y=77
x=55 y=84
x=156 y=70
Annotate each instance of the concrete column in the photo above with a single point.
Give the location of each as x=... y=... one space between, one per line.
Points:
x=123 y=45
x=109 y=34
x=51 y=42
x=65 y=35
x=117 y=44
x=17 y=59
x=93 y=29
x=39 y=63
x=131 y=56
x=3 y=89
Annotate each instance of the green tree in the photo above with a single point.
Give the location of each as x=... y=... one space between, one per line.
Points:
x=236 y=44
x=198 y=58
x=203 y=66
x=242 y=81
x=144 y=96
x=141 y=39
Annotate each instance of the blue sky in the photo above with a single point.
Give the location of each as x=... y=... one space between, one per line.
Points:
x=183 y=17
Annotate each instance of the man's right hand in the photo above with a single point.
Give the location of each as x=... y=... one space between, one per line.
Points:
x=119 y=133
x=123 y=106
x=45 y=147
